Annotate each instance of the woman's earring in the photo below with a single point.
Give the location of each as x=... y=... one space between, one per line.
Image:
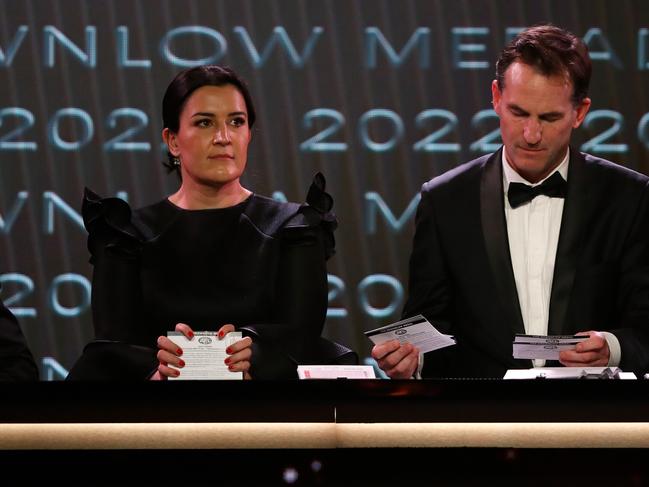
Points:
x=176 y=161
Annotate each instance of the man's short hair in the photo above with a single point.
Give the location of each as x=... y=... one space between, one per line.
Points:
x=552 y=51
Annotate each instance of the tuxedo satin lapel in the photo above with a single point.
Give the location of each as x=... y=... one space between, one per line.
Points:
x=494 y=230
x=568 y=247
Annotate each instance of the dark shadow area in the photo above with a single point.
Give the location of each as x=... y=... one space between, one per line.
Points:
x=348 y=468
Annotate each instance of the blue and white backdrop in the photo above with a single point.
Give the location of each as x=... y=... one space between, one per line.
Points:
x=378 y=95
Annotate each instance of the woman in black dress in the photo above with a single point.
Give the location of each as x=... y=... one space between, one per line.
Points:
x=212 y=256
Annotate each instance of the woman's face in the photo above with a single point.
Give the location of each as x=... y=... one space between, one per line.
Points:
x=213 y=136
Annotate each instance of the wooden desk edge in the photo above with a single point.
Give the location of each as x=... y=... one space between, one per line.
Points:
x=107 y=436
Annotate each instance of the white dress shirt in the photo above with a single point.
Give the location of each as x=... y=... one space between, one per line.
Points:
x=533 y=231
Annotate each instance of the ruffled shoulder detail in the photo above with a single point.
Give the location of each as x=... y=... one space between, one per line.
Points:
x=317 y=212
x=110 y=227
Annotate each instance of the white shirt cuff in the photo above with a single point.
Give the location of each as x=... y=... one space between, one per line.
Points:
x=420 y=366
x=614 y=349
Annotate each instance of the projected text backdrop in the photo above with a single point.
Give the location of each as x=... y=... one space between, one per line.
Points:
x=379 y=96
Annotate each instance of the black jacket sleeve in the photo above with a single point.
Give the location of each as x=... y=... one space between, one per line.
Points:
x=16 y=360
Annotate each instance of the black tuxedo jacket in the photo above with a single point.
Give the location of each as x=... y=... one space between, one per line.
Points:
x=16 y=361
x=461 y=275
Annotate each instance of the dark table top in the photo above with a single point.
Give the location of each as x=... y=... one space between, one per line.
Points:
x=342 y=401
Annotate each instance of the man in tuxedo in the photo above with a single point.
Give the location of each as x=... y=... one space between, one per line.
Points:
x=16 y=361
x=536 y=238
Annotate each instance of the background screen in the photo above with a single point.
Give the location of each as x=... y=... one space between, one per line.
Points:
x=380 y=96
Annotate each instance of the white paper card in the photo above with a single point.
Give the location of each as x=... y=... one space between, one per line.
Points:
x=204 y=355
x=568 y=373
x=335 y=372
x=544 y=346
x=416 y=330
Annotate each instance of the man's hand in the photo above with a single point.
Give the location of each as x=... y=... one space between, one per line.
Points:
x=396 y=360
x=592 y=352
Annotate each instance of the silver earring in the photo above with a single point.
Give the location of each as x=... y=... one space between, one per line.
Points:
x=176 y=161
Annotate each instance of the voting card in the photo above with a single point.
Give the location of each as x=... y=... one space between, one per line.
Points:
x=416 y=330
x=544 y=346
x=204 y=355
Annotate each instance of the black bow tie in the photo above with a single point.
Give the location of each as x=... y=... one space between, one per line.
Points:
x=554 y=187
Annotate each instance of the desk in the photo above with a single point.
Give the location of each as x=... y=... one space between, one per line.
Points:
x=339 y=422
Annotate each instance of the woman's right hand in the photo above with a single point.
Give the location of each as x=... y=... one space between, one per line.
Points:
x=169 y=354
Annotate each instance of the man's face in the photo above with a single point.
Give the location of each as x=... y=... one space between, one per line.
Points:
x=537 y=118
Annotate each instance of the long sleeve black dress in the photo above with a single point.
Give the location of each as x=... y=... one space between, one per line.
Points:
x=259 y=265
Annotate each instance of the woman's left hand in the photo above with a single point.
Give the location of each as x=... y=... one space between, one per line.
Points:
x=239 y=353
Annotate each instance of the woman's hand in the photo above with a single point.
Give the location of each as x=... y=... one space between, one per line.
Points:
x=169 y=354
x=239 y=353
x=170 y=361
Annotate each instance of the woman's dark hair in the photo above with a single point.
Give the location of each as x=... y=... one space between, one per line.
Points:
x=552 y=51
x=188 y=81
